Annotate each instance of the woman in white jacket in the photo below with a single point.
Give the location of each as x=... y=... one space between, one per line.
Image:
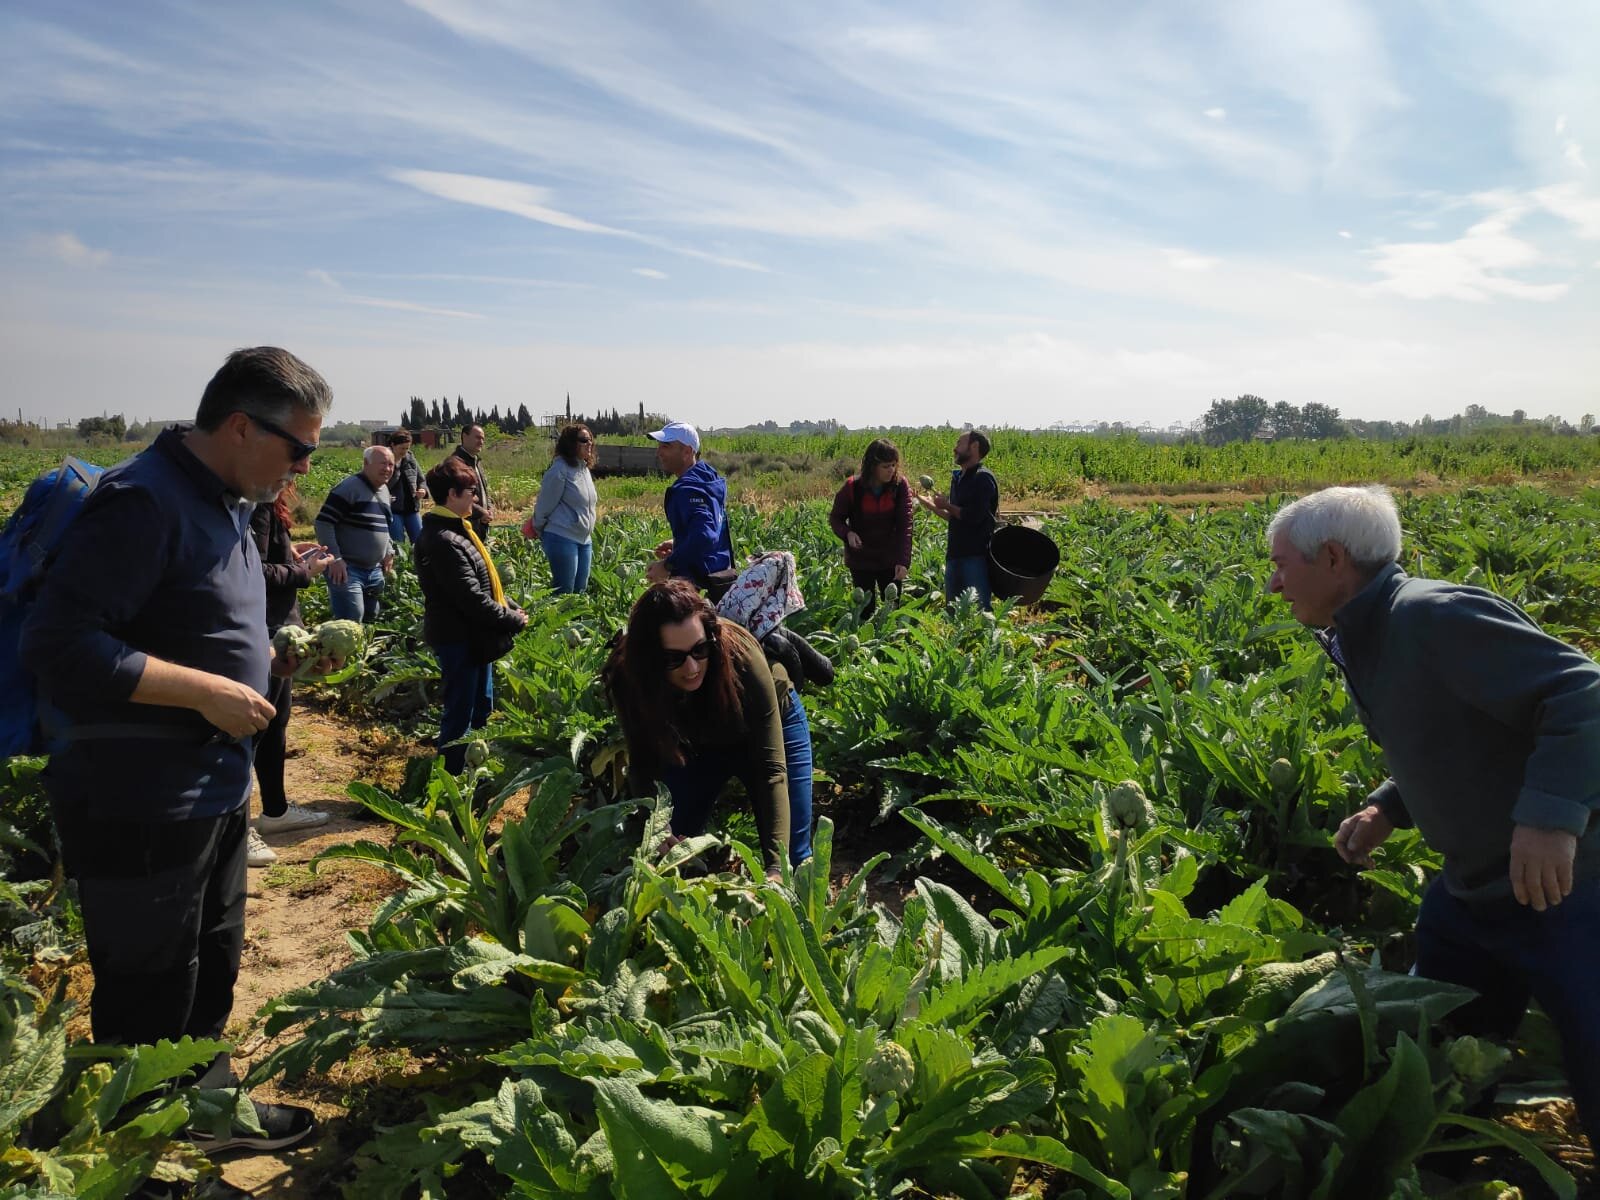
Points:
x=563 y=516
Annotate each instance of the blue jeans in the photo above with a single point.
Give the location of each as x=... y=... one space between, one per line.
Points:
x=405 y=525
x=695 y=785
x=356 y=599
x=1510 y=954
x=967 y=572
x=468 y=699
x=569 y=562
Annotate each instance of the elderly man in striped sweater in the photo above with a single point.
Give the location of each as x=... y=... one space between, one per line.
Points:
x=354 y=525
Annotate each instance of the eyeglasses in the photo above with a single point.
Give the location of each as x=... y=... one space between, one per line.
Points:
x=299 y=451
x=700 y=651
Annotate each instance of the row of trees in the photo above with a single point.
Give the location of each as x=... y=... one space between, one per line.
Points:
x=1248 y=417
x=441 y=415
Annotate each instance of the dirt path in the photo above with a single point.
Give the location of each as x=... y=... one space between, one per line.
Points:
x=295 y=925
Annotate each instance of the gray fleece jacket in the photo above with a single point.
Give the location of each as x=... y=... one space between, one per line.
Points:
x=1486 y=723
x=566 y=503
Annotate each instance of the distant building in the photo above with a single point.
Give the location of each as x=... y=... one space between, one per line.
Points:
x=374 y=426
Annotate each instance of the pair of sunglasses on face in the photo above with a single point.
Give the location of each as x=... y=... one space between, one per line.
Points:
x=298 y=451
x=700 y=651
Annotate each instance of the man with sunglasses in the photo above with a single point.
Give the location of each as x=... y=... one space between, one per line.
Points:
x=149 y=641
x=354 y=525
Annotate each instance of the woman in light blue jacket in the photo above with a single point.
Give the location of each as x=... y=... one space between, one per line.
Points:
x=563 y=516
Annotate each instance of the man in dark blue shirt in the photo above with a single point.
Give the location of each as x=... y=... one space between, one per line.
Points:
x=972 y=509
x=149 y=642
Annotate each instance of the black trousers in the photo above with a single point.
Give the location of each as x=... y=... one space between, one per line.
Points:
x=163 y=915
x=272 y=747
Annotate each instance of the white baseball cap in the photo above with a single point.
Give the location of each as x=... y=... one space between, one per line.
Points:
x=678 y=431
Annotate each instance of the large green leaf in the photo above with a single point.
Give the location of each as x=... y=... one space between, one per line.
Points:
x=661 y=1149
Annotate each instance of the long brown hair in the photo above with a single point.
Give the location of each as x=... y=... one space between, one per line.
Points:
x=283 y=506
x=879 y=450
x=636 y=675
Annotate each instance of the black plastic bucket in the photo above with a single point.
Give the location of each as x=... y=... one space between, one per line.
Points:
x=1021 y=562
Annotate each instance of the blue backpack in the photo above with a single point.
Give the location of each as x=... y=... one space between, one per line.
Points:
x=27 y=546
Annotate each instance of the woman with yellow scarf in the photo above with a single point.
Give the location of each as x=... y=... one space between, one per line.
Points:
x=466 y=616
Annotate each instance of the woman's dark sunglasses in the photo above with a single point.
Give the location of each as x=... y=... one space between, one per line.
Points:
x=700 y=651
x=298 y=451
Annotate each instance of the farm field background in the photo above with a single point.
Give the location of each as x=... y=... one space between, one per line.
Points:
x=1005 y=971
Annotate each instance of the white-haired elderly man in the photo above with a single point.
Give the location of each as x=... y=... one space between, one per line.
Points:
x=1491 y=732
x=354 y=524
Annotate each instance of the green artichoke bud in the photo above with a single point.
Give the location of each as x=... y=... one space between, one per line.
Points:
x=852 y=643
x=927 y=483
x=1283 y=775
x=1127 y=807
x=858 y=597
x=293 y=641
x=573 y=637
x=507 y=571
x=339 y=639
x=1476 y=1062
x=477 y=753
x=890 y=1071
x=891 y=593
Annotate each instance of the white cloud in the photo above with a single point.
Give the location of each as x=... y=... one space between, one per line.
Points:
x=69 y=248
x=649 y=272
x=1345 y=233
x=327 y=280
x=1183 y=260
x=1217 y=114
x=528 y=201
x=1473 y=267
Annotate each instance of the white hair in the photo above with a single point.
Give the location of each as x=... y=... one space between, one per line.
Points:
x=371 y=452
x=1364 y=520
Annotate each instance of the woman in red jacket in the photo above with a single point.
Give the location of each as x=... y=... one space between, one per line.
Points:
x=872 y=517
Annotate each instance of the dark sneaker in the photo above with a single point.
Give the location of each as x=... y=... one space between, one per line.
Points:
x=281 y=1124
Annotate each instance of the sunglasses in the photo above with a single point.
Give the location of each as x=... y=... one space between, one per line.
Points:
x=299 y=451
x=700 y=651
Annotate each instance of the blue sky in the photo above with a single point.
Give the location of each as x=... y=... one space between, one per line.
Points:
x=1004 y=213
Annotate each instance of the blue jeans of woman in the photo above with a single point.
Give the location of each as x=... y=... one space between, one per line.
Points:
x=1510 y=954
x=468 y=699
x=356 y=599
x=569 y=562
x=405 y=525
x=967 y=572
x=695 y=785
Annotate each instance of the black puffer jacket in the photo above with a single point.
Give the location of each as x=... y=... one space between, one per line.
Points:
x=285 y=576
x=458 y=599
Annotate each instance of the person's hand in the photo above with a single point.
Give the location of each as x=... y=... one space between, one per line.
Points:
x=316 y=560
x=522 y=619
x=1359 y=835
x=237 y=710
x=1541 y=865
x=853 y=540
x=337 y=571
x=658 y=572
x=663 y=548
x=927 y=502
x=899 y=574
x=388 y=564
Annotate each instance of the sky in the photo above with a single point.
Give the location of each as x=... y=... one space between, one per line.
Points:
x=731 y=210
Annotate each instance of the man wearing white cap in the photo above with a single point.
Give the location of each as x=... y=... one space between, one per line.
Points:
x=697 y=510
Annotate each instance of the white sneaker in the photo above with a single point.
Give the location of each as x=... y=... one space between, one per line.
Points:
x=257 y=852
x=293 y=817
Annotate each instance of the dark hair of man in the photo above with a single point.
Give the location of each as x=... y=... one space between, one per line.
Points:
x=264 y=382
x=400 y=438
x=636 y=675
x=449 y=474
x=567 y=444
x=879 y=450
x=980 y=439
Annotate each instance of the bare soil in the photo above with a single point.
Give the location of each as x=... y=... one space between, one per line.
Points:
x=295 y=925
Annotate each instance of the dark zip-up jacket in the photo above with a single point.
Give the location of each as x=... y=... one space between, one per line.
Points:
x=1486 y=722
x=977 y=494
x=405 y=485
x=458 y=598
x=284 y=574
x=480 y=511
x=697 y=510
x=882 y=521
x=160 y=562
